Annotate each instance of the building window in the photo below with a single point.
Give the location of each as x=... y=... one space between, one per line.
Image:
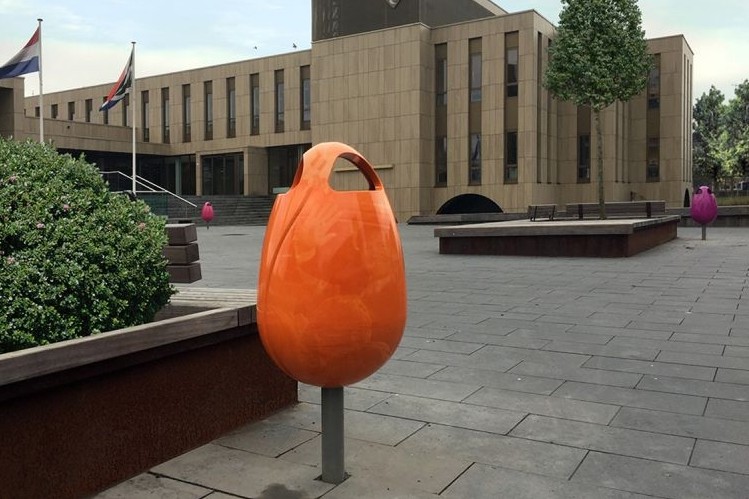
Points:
x=654 y=152
x=165 y=117
x=474 y=161
x=71 y=111
x=440 y=161
x=37 y=112
x=474 y=69
x=125 y=107
x=441 y=76
x=654 y=83
x=89 y=109
x=223 y=174
x=306 y=97
x=144 y=118
x=105 y=118
x=511 y=157
x=186 y=114
x=53 y=111
x=583 y=158
x=208 y=109
x=279 y=101
x=511 y=76
x=255 y=104
x=231 y=108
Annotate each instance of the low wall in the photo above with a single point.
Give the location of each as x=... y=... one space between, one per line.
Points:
x=78 y=417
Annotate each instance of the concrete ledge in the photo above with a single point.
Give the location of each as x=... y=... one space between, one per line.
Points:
x=587 y=238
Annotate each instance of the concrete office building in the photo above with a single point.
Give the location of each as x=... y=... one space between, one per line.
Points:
x=444 y=97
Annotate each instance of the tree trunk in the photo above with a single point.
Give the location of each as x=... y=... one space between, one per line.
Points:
x=599 y=160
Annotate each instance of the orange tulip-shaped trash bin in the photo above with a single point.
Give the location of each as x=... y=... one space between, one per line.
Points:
x=331 y=304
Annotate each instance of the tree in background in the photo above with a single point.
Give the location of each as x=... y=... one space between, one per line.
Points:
x=709 y=119
x=737 y=122
x=599 y=56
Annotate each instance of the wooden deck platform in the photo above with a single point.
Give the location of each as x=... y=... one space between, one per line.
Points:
x=577 y=238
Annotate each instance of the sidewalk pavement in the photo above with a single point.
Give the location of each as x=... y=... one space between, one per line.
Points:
x=517 y=377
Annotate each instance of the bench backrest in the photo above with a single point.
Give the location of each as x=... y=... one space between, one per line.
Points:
x=618 y=208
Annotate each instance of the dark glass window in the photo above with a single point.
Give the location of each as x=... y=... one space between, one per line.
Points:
x=440 y=160
x=231 y=108
x=441 y=76
x=279 y=100
x=474 y=161
x=106 y=111
x=223 y=174
x=583 y=158
x=71 y=111
x=89 y=109
x=511 y=157
x=654 y=152
x=145 y=121
x=125 y=108
x=165 y=116
x=474 y=69
x=186 y=114
x=306 y=97
x=37 y=112
x=512 y=71
x=654 y=83
x=208 y=109
x=53 y=111
x=255 y=104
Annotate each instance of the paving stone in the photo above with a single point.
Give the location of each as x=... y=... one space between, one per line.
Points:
x=662 y=316
x=629 y=397
x=477 y=446
x=492 y=353
x=736 y=351
x=606 y=439
x=562 y=336
x=655 y=368
x=441 y=345
x=598 y=376
x=739 y=376
x=626 y=352
x=510 y=325
x=403 y=352
x=704 y=360
x=265 y=438
x=458 y=360
x=492 y=339
x=728 y=409
x=695 y=387
x=659 y=479
x=547 y=406
x=711 y=338
x=482 y=481
x=509 y=381
x=652 y=326
x=392 y=466
x=622 y=331
x=722 y=430
x=721 y=456
x=356 y=399
x=372 y=487
x=473 y=417
x=669 y=345
x=427 y=332
x=148 y=486
x=410 y=368
x=242 y=473
x=429 y=388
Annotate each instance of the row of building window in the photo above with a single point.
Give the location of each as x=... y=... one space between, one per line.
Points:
x=305 y=99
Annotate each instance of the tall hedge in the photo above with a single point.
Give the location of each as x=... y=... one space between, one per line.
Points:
x=75 y=258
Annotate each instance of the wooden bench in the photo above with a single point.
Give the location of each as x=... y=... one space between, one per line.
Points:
x=546 y=211
x=620 y=209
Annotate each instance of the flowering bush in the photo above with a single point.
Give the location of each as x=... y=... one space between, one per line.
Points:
x=75 y=258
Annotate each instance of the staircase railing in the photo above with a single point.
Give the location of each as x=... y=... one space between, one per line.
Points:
x=159 y=205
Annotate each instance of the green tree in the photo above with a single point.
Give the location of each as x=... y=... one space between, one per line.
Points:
x=599 y=56
x=708 y=140
x=737 y=122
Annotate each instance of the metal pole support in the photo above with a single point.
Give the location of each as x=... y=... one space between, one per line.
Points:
x=704 y=232
x=332 y=436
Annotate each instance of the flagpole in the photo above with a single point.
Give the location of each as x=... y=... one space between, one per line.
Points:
x=132 y=110
x=41 y=87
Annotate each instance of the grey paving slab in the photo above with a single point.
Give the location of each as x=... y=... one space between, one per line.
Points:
x=623 y=352
x=602 y=438
x=669 y=345
x=149 y=486
x=598 y=376
x=623 y=331
x=265 y=438
x=428 y=332
x=508 y=381
x=704 y=360
x=736 y=351
x=429 y=388
x=547 y=406
x=493 y=353
x=410 y=368
x=561 y=336
x=670 y=402
x=695 y=387
x=721 y=456
x=360 y=425
x=739 y=376
x=372 y=487
x=390 y=465
x=472 y=417
x=727 y=409
x=356 y=399
x=660 y=479
x=655 y=368
x=722 y=430
x=510 y=340
x=441 y=345
x=497 y=450
x=482 y=481
x=711 y=338
x=459 y=360
x=242 y=473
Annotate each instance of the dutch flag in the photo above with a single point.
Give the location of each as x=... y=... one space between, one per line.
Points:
x=122 y=87
x=25 y=61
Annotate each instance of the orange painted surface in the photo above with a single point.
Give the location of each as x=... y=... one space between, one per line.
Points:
x=332 y=288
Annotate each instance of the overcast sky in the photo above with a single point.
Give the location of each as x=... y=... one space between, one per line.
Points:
x=87 y=43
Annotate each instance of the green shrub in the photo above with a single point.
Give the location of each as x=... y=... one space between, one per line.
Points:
x=75 y=258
